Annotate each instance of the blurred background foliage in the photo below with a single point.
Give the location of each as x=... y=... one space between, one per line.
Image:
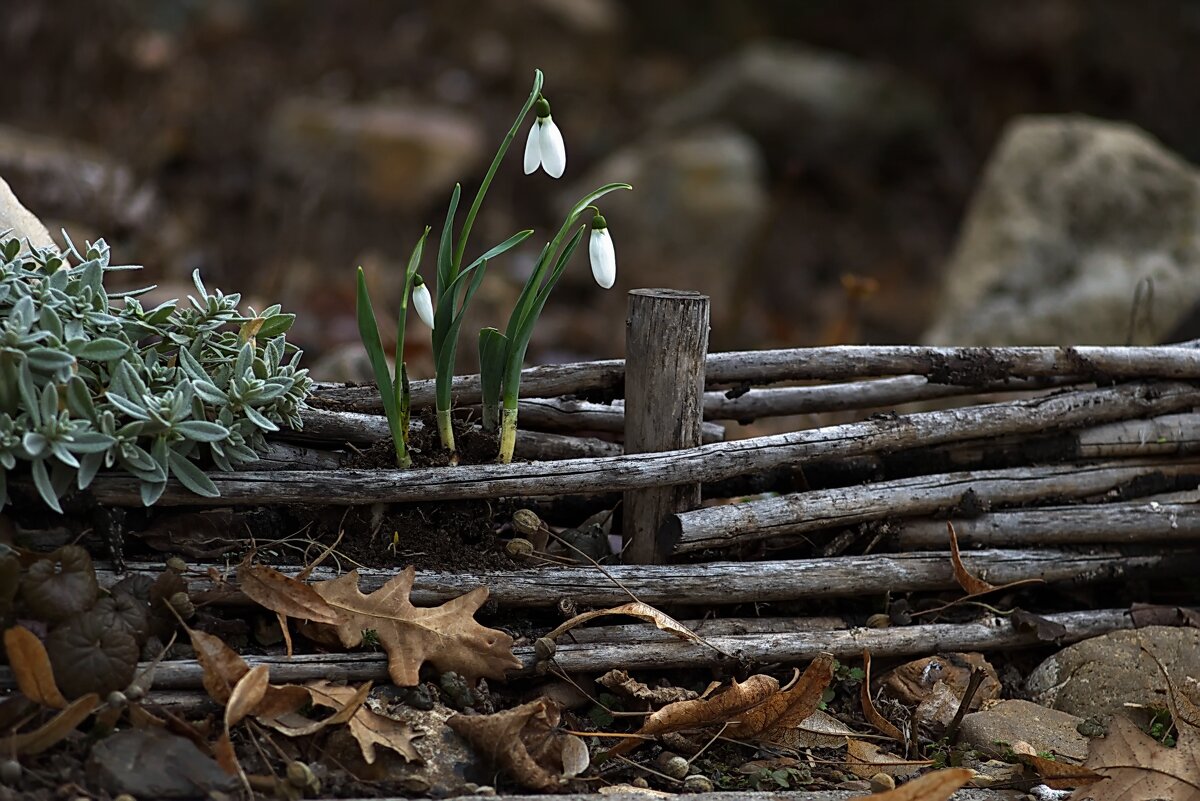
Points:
x=808 y=164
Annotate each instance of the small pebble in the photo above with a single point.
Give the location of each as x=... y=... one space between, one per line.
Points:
x=882 y=782
x=10 y=771
x=697 y=783
x=672 y=765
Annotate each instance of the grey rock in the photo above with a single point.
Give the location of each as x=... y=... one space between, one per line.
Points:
x=392 y=154
x=806 y=102
x=1071 y=214
x=1101 y=676
x=21 y=221
x=698 y=202
x=994 y=730
x=70 y=180
x=150 y=763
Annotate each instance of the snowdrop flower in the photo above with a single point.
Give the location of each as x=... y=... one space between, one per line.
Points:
x=544 y=147
x=421 y=301
x=604 y=258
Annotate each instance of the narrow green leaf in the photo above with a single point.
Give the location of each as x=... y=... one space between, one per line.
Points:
x=492 y=346
x=202 y=430
x=41 y=480
x=192 y=476
x=368 y=331
x=104 y=349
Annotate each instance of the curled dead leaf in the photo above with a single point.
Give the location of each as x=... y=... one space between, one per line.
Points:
x=720 y=708
x=524 y=742
x=783 y=711
x=881 y=724
x=865 y=760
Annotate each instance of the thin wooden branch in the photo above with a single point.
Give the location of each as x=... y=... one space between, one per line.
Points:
x=569 y=414
x=365 y=429
x=883 y=393
x=959 y=366
x=595 y=657
x=707 y=463
x=802 y=512
x=729 y=582
x=1144 y=520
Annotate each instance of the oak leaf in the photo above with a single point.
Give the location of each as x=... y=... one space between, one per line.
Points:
x=1135 y=765
x=369 y=728
x=447 y=636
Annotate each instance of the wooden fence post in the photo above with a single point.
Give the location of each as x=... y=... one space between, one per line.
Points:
x=666 y=342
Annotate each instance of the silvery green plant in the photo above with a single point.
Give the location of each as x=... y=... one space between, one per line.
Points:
x=91 y=380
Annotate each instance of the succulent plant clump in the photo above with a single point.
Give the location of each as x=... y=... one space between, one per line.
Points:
x=91 y=380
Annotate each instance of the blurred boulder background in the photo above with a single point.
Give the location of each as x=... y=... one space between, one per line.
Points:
x=851 y=171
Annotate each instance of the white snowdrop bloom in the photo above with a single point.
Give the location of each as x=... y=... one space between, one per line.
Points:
x=421 y=300
x=602 y=254
x=545 y=147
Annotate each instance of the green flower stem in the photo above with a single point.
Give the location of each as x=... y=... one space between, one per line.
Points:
x=447 y=349
x=508 y=433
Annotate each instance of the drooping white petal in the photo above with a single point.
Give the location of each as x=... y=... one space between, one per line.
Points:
x=533 y=149
x=554 y=150
x=603 y=257
x=423 y=303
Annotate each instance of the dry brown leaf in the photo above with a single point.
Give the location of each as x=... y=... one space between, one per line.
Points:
x=973 y=585
x=222 y=666
x=633 y=609
x=881 y=724
x=720 y=708
x=446 y=635
x=622 y=683
x=821 y=730
x=1135 y=765
x=31 y=668
x=52 y=732
x=936 y=786
x=287 y=720
x=523 y=742
x=246 y=695
x=786 y=709
x=368 y=727
x=226 y=756
x=865 y=760
x=283 y=594
x=1058 y=775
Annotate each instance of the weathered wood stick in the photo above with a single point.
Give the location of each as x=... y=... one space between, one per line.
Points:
x=707 y=627
x=1157 y=436
x=666 y=339
x=995 y=633
x=760 y=402
x=365 y=429
x=797 y=513
x=1144 y=520
x=730 y=582
x=707 y=463
x=961 y=366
